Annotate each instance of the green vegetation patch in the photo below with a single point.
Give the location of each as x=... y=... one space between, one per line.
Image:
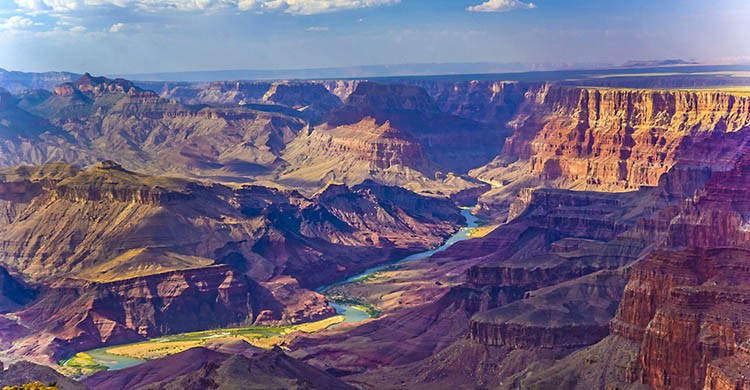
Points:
x=83 y=361
x=357 y=303
x=249 y=331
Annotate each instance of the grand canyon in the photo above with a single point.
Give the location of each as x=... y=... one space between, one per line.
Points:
x=502 y=197
x=293 y=229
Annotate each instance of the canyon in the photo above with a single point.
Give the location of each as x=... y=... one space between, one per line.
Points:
x=118 y=256
x=614 y=253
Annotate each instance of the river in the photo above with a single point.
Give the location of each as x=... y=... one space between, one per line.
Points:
x=114 y=362
x=351 y=313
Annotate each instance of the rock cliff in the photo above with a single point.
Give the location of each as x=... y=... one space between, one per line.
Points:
x=120 y=255
x=686 y=309
x=682 y=319
x=616 y=139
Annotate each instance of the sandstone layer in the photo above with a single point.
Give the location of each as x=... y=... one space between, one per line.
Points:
x=119 y=256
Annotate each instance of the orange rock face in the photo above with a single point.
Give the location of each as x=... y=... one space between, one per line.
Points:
x=687 y=309
x=615 y=140
x=732 y=373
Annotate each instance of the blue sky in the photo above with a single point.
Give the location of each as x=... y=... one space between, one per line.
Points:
x=133 y=36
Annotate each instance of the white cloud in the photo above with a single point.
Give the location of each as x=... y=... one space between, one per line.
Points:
x=118 y=27
x=298 y=7
x=17 y=23
x=310 y=7
x=54 y=5
x=77 y=29
x=31 y=4
x=317 y=28
x=500 y=6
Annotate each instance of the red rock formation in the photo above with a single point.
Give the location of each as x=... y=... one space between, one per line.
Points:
x=717 y=215
x=731 y=373
x=282 y=300
x=686 y=309
x=424 y=326
x=615 y=139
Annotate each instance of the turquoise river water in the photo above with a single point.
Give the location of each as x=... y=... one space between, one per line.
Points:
x=351 y=314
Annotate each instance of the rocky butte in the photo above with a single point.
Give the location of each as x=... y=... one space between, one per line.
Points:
x=614 y=251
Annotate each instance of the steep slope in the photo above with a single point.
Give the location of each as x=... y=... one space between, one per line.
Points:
x=216 y=93
x=202 y=368
x=28 y=138
x=244 y=136
x=393 y=134
x=25 y=372
x=533 y=291
x=453 y=143
x=114 y=117
x=551 y=250
x=547 y=325
x=613 y=139
x=310 y=98
x=683 y=319
x=362 y=151
x=592 y=183
x=13 y=294
x=123 y=255
x=491 y=102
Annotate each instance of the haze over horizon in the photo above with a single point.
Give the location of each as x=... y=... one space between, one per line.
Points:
x=139 y=36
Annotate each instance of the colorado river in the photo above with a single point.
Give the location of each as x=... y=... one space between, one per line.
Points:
x=114 y=362
x=351 y=312
x=354 y=314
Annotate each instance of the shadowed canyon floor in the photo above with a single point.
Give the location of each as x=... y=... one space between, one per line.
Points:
x=240 y=216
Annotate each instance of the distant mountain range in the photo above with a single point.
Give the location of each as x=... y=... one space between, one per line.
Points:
x=356 y=71
x=645 y=63
x=15 y=81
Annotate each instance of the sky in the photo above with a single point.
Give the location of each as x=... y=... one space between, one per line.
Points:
x=138 y=36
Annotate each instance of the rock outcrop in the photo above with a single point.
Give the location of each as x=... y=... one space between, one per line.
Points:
x=120 y=256
x=453 y=143
x=615 y=140
x=215 y=93
x=313 y=99
x=202 y=368
x=23 y=372
x=102 y=117
x=682 y=321
x=545 y=284
x=611 y=202
x=686 y=309
x=84 y=315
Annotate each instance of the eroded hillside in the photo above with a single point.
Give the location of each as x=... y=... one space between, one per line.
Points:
x=614 y=257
